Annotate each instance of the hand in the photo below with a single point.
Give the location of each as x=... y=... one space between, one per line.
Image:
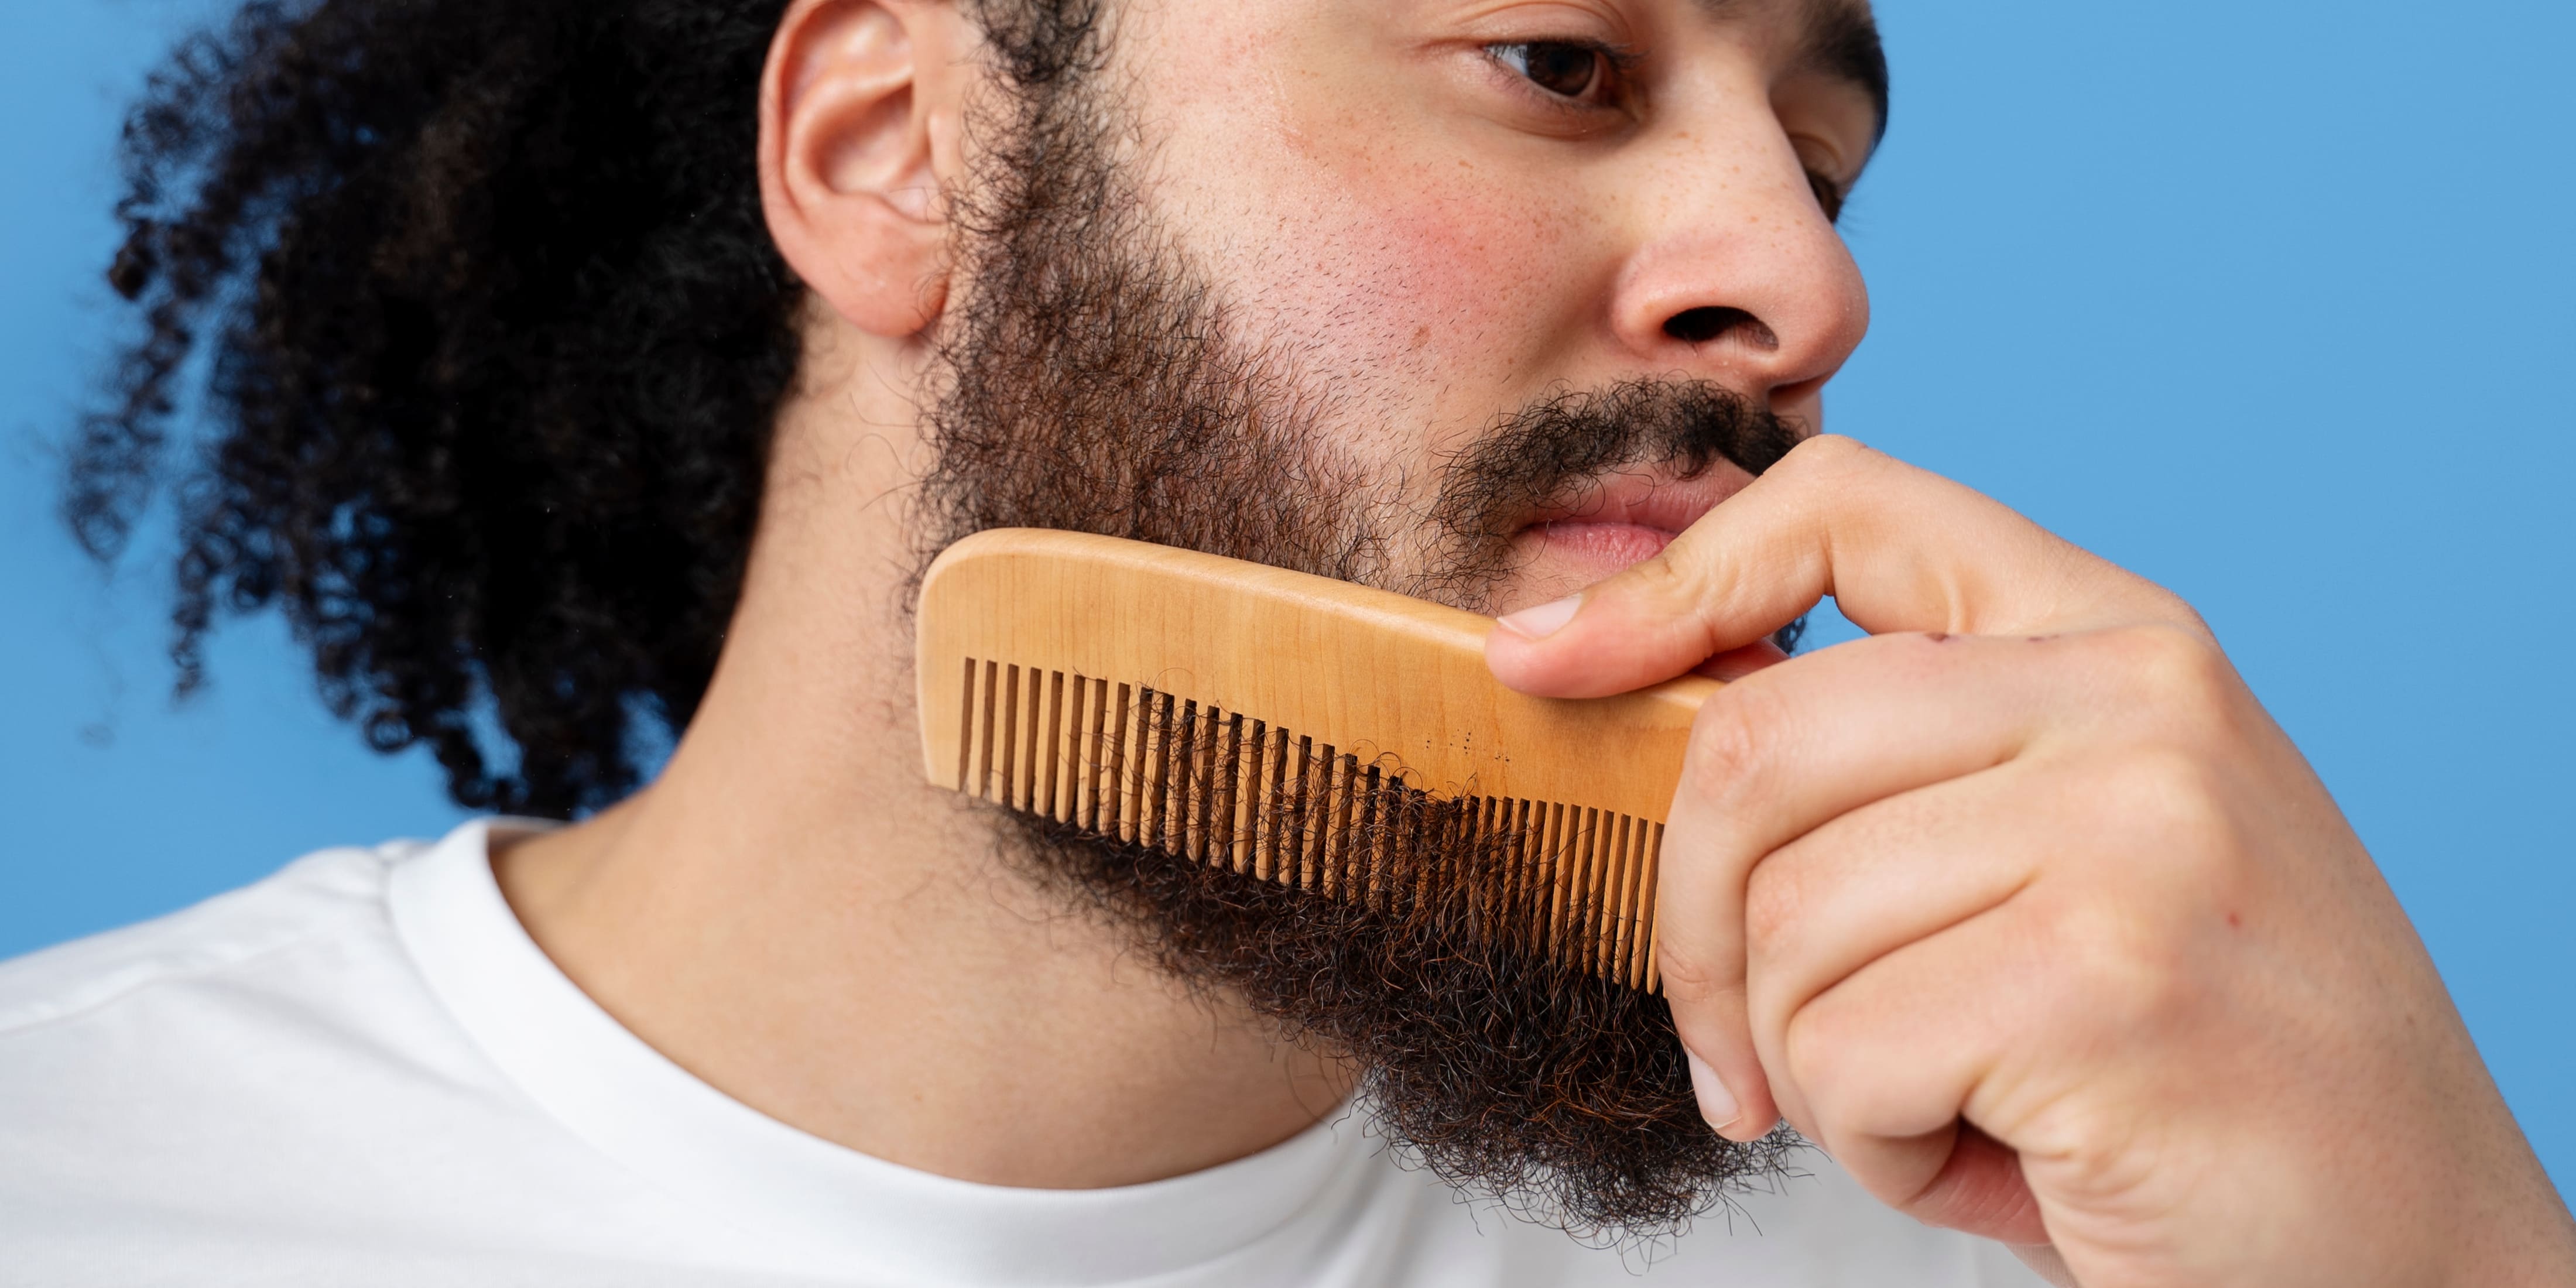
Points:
x=2027 y=913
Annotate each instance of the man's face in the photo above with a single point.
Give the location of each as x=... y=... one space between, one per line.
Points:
x=1438 y=212
x=1476 y=301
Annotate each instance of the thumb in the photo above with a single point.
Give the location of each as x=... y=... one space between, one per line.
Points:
x=1900 y=548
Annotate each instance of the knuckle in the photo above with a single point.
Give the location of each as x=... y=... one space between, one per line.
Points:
x=1818 y=1049
x=1827 y=453
x=2170 y=808
x=1806 y=1046
x=2171 y=667
x=2123 y=937
x=1731 y=742
x=2119 y=974
x=1665 y=577
x=1774 y=906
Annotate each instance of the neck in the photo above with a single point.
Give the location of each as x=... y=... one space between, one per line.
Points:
x=790 y=913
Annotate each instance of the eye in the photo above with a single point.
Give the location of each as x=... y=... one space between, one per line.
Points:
x=1828 y=195
x=1568 y=69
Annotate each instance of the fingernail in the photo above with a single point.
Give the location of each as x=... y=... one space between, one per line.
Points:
x=1545 y=620
x=1715 y=1104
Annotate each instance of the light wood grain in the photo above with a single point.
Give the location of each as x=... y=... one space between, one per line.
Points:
x=1178 y=699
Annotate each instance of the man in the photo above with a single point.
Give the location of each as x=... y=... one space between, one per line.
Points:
x=581 y=363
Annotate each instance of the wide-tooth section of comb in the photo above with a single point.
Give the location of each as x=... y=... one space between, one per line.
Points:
x=1559 y=879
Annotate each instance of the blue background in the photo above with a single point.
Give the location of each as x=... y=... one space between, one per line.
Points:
x=2267 y=301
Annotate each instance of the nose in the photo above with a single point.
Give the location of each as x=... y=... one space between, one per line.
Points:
x=1736 y=274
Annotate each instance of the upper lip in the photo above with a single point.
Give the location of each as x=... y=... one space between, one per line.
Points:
x=1652 y=499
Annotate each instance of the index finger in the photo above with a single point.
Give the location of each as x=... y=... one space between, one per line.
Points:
x=1900 y=549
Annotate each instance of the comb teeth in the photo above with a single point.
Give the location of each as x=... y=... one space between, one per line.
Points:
x=1576 y=884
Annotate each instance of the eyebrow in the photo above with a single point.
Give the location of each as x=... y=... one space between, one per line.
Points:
x=1842 y=42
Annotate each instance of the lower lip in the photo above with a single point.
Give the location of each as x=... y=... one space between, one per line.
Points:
x=1609 y=547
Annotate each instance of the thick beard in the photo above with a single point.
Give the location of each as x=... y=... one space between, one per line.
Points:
x=1090 y=385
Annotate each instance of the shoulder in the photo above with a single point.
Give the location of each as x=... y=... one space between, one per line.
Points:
x=270 y=1058
x=329 y=894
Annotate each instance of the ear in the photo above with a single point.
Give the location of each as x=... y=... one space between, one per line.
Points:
x=858 y=130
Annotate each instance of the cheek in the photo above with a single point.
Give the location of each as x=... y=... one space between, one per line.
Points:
x=1439 y=302
x=1409 y=269
x=1484 y=279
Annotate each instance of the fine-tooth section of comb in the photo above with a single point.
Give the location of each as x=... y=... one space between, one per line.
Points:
x=1299 y=730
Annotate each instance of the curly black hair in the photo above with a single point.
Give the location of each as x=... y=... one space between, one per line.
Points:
x=493 y=335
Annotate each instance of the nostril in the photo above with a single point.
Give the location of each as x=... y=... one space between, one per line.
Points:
x=1701 y=325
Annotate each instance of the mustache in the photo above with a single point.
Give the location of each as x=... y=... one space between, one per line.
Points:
x=1552 y=446
x=1545 y=452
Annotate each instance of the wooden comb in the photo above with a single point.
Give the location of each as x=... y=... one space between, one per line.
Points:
x=1296 y=729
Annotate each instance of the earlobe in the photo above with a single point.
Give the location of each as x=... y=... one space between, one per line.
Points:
x=854 y=143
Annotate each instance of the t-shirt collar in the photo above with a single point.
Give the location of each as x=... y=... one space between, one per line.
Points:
x=635 y=1105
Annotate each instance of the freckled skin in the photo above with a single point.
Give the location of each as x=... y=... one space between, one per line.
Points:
x=1434 y=257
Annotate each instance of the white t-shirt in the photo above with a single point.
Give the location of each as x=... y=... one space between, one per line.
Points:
x=361 y=1071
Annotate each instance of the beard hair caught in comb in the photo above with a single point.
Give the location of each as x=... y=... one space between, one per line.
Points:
x=1090 y=387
